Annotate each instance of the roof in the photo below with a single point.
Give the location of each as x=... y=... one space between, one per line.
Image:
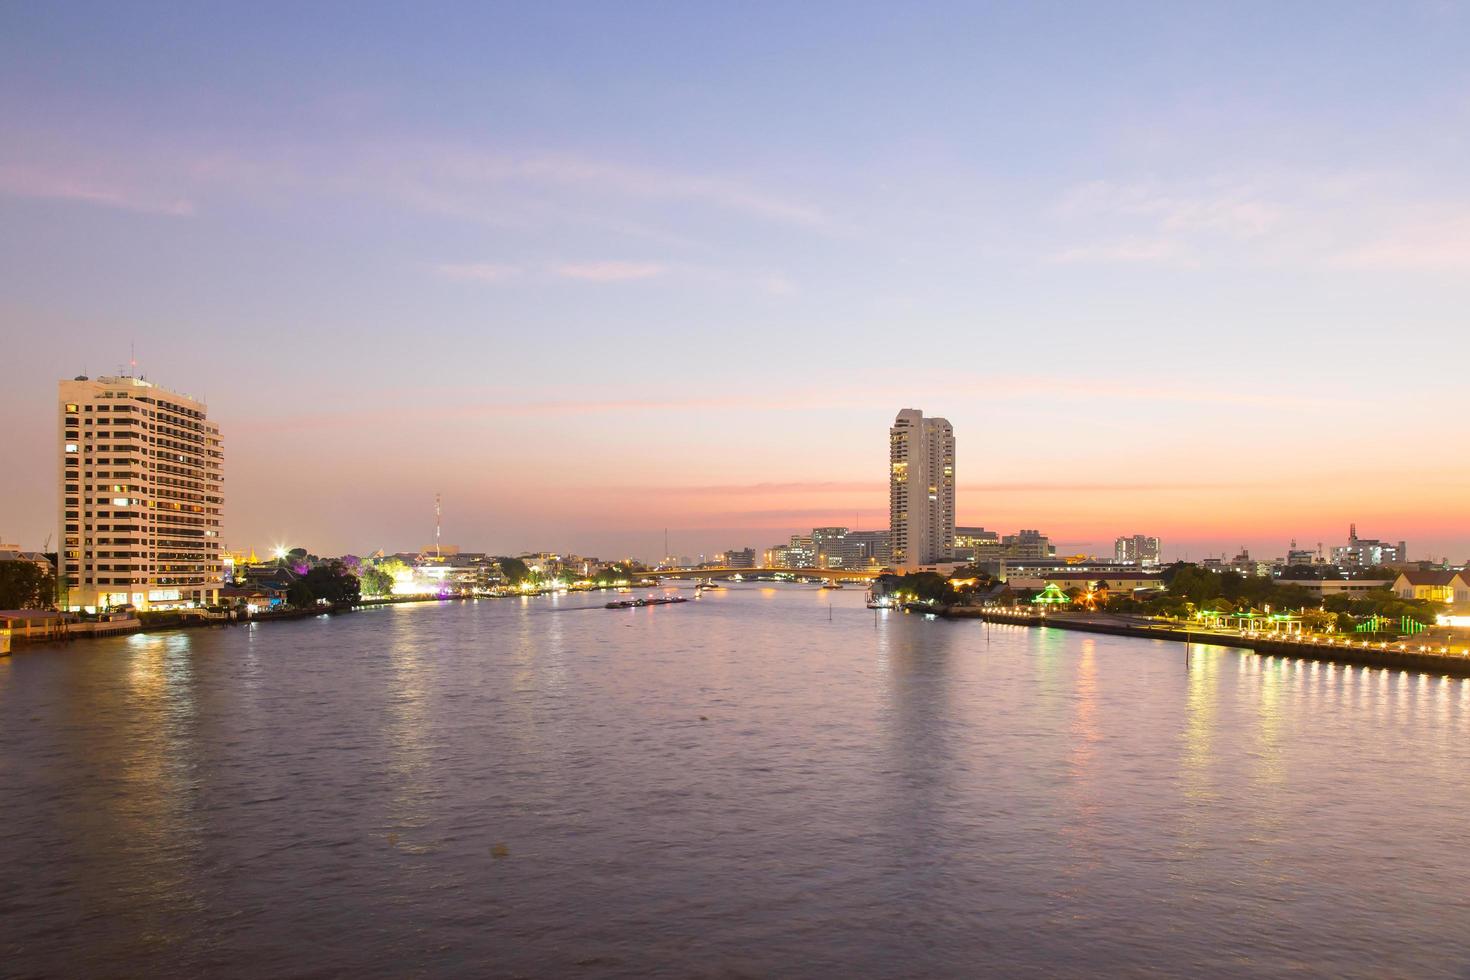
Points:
x=1416 y=577
x=29 y=614
x=239 y=590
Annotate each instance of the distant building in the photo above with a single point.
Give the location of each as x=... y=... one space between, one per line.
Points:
x=1139 y=549
x=867 y=549
x=798 y=553
x=1118 y=582
x=744 y=558
x=1367 y=552
x=974 y=543
x=1301 y=556
x=827 y=546
x=1027 y=544
x=921 y=461
x=141 y=479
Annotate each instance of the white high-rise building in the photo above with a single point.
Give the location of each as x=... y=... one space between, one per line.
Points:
x=921 y=489
x=141 y=475
x=1137 y=549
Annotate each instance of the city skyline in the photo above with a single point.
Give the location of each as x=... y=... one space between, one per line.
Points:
x=921 y=449
x=1175 y=270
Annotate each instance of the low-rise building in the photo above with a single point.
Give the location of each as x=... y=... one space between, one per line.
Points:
x=1337 y=586
x=1119 y=581
x=32 y=624
x=1436 y=586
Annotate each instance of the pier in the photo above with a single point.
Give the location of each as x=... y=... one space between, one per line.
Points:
x=1395 y=654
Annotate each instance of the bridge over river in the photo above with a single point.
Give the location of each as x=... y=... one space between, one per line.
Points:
x=826 y=574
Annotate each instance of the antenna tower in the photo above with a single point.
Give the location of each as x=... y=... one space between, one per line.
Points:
x=438 y=513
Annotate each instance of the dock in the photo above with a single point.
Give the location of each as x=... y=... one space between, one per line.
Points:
x=1394 y=654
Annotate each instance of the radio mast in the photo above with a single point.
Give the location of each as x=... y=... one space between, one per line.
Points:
x=438 y=513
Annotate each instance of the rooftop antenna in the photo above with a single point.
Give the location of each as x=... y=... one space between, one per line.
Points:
x=438 y=511
x=132 y=360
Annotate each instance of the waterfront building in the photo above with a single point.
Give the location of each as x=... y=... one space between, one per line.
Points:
x=865 y=549
x=827 y=546
x=921 y=461
x=799 y=553
x=1140 y=549
x=1118 y=582
x=142 y=495
x=1007 y=569
x=1367 y=552
x=743 y=558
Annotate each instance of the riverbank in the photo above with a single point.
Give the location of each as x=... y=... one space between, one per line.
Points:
x=1398 y=655
x=191 y=619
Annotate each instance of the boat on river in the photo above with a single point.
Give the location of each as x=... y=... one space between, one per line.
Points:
x=667 y=600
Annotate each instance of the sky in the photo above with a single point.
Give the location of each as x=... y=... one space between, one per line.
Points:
x=591 y=270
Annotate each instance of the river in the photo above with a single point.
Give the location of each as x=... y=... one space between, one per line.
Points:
x=765 y=781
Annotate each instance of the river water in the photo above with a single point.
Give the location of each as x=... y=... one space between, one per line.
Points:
x=767 y=781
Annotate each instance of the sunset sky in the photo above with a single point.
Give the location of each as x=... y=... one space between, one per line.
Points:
x=594 y=270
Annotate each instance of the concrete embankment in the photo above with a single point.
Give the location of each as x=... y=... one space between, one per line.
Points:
x=1405 y=655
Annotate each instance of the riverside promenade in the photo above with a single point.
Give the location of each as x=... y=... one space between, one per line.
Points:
x=1432 y=658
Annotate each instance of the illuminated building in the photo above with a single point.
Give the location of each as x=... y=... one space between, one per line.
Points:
x=1436 y=586
x=743 y=558
x=974 y=543
x=1027 y=544
x=1118 y=582
x=800 y=553
x=1140 y=549
x=921 y=489
x=865 y=549
x=827 y=546
x=1367 y=552
x=141 y=473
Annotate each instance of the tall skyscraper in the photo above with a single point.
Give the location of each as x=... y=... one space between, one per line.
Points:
x=921 y=489
x=141 y=477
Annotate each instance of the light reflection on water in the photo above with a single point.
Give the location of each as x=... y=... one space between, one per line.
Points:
x=735 y=786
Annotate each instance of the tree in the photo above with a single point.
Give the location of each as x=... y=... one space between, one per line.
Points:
x=375 y=581
x=514 y=570
x=25 y=585
x=613 y=574
x=330 y=582
x=334 y=583
x=300 y=594
x=927 y=587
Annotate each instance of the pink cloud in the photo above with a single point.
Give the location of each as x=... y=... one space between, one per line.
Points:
x=54 y=185
x=611 y=271
x=1428 y=247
